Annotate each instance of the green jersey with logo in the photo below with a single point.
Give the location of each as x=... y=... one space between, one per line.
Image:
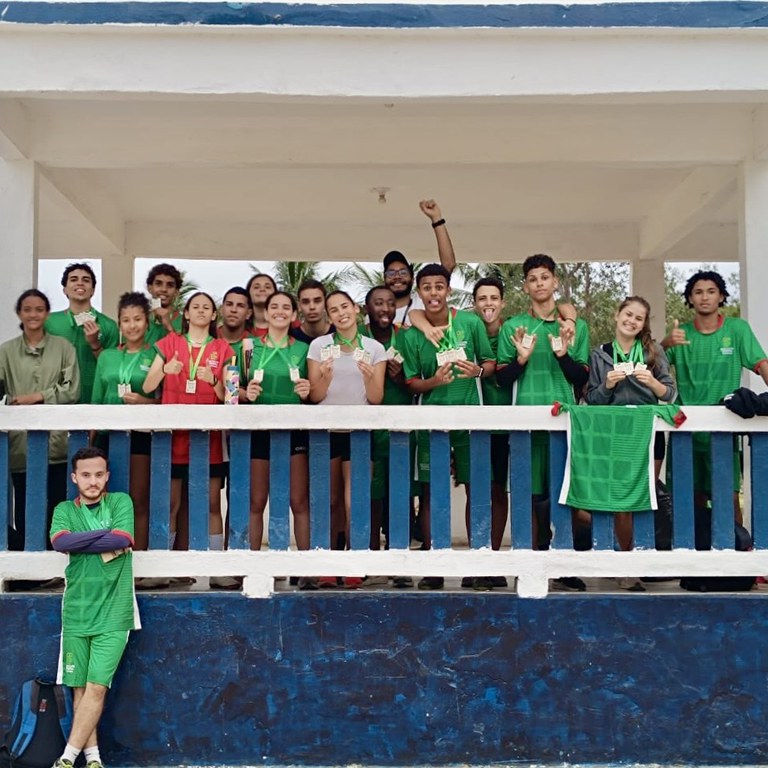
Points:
x=276 y=385
x=63 y=324
x=117 y=367
x=420 y=359
x=542 y=381
x=709 y=367
x=394 y=393
x=99 y=595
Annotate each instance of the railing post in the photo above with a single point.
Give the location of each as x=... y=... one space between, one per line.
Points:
x=199 y=489
x=36 y=536
x=722 y=447
x=6 y=491
x=681 y=451
x=480 y=485
x=520 y=489
x=560 y=513
x=119 y=461
x=360 y=467
x=758 y=444
x=279 y=489
x=77 y=439
x=239 y=484
x=319 y=489
x=160 y=491
x=440 y=488
x=399 y=498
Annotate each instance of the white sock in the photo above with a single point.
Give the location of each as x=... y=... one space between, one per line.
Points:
x=91 y=754
x=70 y=753
x=173 y=539
x=216 y=541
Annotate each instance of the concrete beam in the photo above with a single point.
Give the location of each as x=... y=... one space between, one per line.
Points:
x=707 y=244
x=687 y=206
x=14 y=130
x=78 y=199
x=383 y=62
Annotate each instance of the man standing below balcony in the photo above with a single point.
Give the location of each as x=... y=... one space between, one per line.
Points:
x=87 y=329
x=708 y=355
x=99 y=607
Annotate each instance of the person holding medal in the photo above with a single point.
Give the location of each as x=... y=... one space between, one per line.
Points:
x=277 y=375
x=631 y=370
x=163 y=285
x=81 y=324
x=448 y=375
x=542 y=357
x=120 y=375
x=345 y=368
x=190 y=367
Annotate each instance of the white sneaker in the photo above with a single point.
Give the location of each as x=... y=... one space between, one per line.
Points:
x=224 y=582
x=630 y=583
x=152 y=583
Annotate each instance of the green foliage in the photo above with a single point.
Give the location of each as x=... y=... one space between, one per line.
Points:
x=188 y=287
x=289 y=275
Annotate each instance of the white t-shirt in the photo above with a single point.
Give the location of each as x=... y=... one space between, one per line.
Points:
x=346 y=387
x=401 y=313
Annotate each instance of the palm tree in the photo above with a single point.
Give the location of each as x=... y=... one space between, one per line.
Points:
x=188 y=287
x=289 y=275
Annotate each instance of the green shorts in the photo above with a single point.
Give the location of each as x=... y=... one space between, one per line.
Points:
x=91 y=659
x=380 y=457
x=540 y=463
x=702 y=463
x=459 y=451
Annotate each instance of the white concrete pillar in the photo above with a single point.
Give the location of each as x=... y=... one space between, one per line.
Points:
x=647 y=280
x=117 y=278
x=753 y=246
x=18 y=237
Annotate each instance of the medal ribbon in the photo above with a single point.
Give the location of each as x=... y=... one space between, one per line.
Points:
x=193 y=366
x=127 y=369
x=449 y=337
x=348 y=342
x=276 y=349
x=635 y=354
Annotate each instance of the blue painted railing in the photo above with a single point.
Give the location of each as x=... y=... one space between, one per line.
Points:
x=519 y=421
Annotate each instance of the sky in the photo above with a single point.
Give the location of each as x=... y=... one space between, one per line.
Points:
x=216 y=277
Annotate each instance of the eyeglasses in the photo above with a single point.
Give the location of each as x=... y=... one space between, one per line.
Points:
x=397 y=273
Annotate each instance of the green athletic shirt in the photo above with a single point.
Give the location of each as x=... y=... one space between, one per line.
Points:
x=610 y=456
x=709 y=368
x=542 y=381
x=276 y=386
x=420 y=360
x=99 y=596
x=157 y=330
x=394 y=393
x=63 y=324
x=108 y=368
x=493 y=394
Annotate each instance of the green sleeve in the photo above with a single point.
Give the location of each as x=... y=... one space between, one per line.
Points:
x=97 y=395
x=580 y=349
x=110 y=335
x=750 y=351
x=122 y=512
x=61 y=521
x=506 y=352
x=483 y=349
x=411 y=364
x=67 y=387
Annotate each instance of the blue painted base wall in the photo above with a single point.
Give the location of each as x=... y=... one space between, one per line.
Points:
x=423 y=679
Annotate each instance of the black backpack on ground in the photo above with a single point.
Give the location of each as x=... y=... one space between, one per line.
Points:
x=704 y=541
x=41 y=720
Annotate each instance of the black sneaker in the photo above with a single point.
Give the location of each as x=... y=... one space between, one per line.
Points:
x=468 y=582
x=482 y=583
x=431 y=582
x=402 y=582
x=499 y=582
x=569 y=584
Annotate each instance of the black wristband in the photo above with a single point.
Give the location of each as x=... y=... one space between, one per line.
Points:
x=438 y=223
x=576 y=374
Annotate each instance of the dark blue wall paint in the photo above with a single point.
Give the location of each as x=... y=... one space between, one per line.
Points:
x=707 y=14
x=413 y=679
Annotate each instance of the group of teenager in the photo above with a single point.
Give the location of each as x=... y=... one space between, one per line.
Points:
x=403 y=347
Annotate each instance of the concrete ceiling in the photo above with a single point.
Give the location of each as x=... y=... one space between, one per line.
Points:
x=296 y=178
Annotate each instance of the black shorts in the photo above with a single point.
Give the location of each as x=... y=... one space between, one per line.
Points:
x=181 y=471
x=261 y=441
x=659 y=447
x=341 y=445
x=499 y=458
